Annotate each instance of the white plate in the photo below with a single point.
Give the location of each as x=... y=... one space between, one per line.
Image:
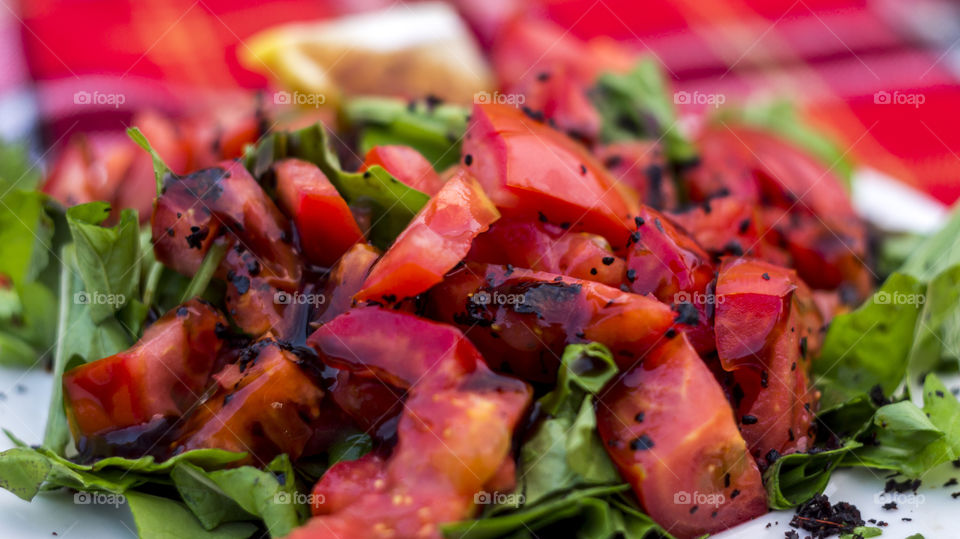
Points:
x=24 y=412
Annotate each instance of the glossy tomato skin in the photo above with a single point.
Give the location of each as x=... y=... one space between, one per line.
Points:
x=324 y=222
x=453 y=436
x=225 y=204
x=437 y=238
x=544 y=247
x=195 y=209
x=163 y=375
x=532 y=171
x=521 y=320
x=346 y=342
x=407 y=165
x=668 y=428
x=265 y=405
x=768 y=328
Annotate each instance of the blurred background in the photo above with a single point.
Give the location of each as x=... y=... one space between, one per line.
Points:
x=880 y=76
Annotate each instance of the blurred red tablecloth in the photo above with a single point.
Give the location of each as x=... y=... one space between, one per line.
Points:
x=834 y=56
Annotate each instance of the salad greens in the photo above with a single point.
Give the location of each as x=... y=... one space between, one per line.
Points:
x=433 y=129
x=393 y=204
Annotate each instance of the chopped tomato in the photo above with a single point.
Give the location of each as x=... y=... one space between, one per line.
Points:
x=265 y=405
x=802 y=201
x=346 y=482
x=367 y=400
x=753 y=301
x=163 y=375
x=437 y=238
x=407 y=165
x=345 y=280
x=324 y=221
x=668 y=428
x=521 y=320
x=454 y=434
x=346 y=342
x=195 y=209
x=545 y=247
x=533 y=171
x=768 y=327
x=666 y=262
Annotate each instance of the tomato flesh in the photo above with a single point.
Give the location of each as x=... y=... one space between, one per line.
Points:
x=324 y=222
x=265 y=405
x=531 y=170
x=163 y=375
x=670 y=431
x=437 y=238
x=544 y=247
x=407 y=165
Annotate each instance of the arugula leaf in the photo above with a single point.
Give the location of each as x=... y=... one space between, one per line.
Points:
x=349 y=446
x=79 y=339
x=25 y=235
x=638 y=104
x=564 y=451
x=434 y=130
x=160 y=169
x=163 y=518
x=393 y=204
x=108 y=258
x=796 y=478
x=870 y=346
x=26 y=471
x=270 y=495
x=900 y=439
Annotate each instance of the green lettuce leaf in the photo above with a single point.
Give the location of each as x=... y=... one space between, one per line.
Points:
x=25 y=471
x=244 y=493
x=639 y=104
x=162 y=518
x=434 y=130
x=108 y=258
x=160 y=169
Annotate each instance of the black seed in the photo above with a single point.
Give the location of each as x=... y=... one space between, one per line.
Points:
x=593 y=271
x=671 y=333
x=734 y=494
x=583 y=169
x=748 y=419
x=631 y=275
x=607 y=260
x=468 y=160
x=639 y=419
x=642 y=443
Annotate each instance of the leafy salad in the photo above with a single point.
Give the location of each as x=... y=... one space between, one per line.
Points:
x=496 y=323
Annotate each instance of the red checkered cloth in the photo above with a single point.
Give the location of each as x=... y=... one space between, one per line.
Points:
x=833 y=56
